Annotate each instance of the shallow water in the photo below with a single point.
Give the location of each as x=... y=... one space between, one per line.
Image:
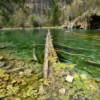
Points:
x=22 y=76
x=79 y=47
x=23 y=43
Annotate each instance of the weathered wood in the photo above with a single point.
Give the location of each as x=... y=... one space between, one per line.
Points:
x=45 y=68
x=52 y=53
x=50 y=56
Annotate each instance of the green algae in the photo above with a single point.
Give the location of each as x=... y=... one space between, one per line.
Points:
x=79 y=46
x=82 y=86
x=21 y=86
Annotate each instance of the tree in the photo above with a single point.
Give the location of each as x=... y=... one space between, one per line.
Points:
x=55 y=13
x=8 y=8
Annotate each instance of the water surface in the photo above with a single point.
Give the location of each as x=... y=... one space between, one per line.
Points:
x=80 y=47
x=24 y=44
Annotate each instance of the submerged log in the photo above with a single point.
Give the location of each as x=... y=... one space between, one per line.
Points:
x=50 y=55
x=83 y=58
x=72 y=54
x=15 y=70
x=71 y=48
x=93 y=63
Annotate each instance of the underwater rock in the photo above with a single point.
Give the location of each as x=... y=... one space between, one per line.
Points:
x=13 y=82
x=28 y=72
x=64 y=73
x=2 y=72
x=9 y=66
x=12 y=90
x=41 y=90
x=21 y=74
x=1 y=57
x=2 y=63
x=7 y=77
x=69 y=78
x=62 y=91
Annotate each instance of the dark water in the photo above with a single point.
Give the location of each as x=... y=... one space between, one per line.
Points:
x=79 y=47
x=23 y=43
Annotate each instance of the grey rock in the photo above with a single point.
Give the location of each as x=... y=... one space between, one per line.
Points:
x=28 y=72
x=62 y=91
x=2 y=63
x=41 y=90
x=69 y=78
x=1 y=57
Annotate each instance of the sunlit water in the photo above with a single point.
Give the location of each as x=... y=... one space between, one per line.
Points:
x=79 y=47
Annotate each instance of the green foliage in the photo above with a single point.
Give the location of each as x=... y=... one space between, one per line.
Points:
x=8 y=8
x=55 y=13
x=34 y=21
x=78 y=7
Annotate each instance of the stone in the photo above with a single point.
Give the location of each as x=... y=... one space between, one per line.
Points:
x=17 y=98
x=41 y=90
x=28 y=72
x=14 y=81
x=1 y=57
x=2 y=63
x=21 y=74
x=7 y=77
x=2 y=73
x=69 y=78
x=62 y=91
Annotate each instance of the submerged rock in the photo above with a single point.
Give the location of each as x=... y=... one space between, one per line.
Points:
x=21 y=74
x=2 y=72
x=62 y=91
x=2 y=63
x=69 y=78
x=28 y=72
x=1 y=57
x=41 y=90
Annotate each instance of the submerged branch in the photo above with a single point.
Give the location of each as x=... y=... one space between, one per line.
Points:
x=71 y=54
x=92 y=62
x=69 y=47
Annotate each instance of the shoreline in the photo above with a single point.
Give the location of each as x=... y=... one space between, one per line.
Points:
x=32 y=28
x=28 y=28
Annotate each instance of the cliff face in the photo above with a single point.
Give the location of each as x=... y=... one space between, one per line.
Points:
x=43 y=12
x=38 y=7
x=42 y=7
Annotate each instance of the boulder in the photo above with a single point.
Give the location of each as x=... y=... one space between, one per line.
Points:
x=1 y=57
x=62 y=91
x=28 y=72
x=41 y=89
x=69 y=78
x=2 y=63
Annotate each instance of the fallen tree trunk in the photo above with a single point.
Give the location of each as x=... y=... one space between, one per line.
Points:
x=50 y=55
x=45 y=68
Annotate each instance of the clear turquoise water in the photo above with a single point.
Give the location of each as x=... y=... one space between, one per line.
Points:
x=23 y=43
x=79 y=47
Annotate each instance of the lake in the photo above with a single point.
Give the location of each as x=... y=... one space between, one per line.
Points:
x=81 y=47
x=23 y=44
